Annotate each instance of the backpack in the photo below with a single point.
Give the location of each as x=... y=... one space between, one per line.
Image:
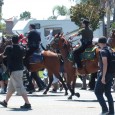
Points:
x=111 y=66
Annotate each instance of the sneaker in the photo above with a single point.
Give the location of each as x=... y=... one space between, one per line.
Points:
x=2 y=91
x=3 y=103
x=104 y=113
x=26 y=106
x=83 y=88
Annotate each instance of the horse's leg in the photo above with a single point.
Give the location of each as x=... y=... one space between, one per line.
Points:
x=50 y=83
x=61 y=80
x=73 y=87
x=70 y=89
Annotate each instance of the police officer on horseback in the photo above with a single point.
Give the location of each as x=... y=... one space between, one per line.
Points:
x=86 y=40
x=34 y=40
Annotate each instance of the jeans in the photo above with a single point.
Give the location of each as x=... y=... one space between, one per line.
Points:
x=101 y=88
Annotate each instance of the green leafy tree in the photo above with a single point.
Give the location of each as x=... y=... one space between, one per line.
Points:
x=52 y=18
x=89 y=10
x=2 y=27
x=25 y=15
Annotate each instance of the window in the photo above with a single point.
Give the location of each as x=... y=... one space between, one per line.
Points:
x=37 y=25
x=53 y=30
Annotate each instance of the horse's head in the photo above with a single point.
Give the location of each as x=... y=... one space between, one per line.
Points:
x=59 y=42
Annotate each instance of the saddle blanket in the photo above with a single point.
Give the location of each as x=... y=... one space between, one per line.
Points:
x=36 y=57
x=88 y=54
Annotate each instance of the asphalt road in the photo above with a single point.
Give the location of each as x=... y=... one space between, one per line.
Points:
x=54 y=104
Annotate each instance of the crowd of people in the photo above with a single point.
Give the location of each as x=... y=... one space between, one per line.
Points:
x=101 y=82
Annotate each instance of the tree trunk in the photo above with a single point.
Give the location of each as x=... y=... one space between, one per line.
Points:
x=108 y=18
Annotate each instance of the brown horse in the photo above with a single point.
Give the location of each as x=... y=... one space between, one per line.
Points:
x=51 y=61
x=88 y=66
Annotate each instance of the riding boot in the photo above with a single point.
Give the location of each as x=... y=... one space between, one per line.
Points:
x=79 y=64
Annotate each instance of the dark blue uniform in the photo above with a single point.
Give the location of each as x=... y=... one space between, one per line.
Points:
x=34 y=40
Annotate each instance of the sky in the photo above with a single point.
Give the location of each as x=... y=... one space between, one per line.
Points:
x=40 y=9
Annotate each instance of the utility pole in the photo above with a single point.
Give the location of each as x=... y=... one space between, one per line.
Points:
x=1 y=3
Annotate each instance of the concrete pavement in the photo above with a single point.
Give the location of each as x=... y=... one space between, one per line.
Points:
x=54 y=104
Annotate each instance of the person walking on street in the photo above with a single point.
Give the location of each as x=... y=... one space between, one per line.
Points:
x=15 y=54
x=104 y=79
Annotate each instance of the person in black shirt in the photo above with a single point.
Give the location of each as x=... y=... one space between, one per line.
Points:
x=86 y=40
x=33 y=43
x=104 y=79
x=15 y=54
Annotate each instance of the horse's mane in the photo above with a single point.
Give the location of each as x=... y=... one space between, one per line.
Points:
x=66 y=43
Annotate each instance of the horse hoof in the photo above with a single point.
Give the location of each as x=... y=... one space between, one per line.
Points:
x=77 y=94
x=66 y=93
x=45 y=92
x=70 y=97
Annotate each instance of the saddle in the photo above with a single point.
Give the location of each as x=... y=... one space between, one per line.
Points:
x=88 y=54
x=36 y=57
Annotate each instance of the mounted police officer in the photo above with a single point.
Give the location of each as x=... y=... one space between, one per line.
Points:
x=86 y=40
x=34 y=40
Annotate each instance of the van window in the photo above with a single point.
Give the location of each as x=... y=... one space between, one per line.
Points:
x=54 y=31
x=37 y=25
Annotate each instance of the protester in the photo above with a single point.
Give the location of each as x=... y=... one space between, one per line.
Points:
x=15 y=54
x=104 y=79
x=4 y=75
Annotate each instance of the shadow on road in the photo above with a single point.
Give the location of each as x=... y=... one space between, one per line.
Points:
x=80 y=100
x=47 y=95
x=19 y=109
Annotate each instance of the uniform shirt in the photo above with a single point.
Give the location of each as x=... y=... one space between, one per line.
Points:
x=104 y=53
x=34 y=39
x=87 y=34
x=15 y=54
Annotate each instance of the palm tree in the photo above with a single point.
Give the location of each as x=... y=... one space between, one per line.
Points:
x=61 y=11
